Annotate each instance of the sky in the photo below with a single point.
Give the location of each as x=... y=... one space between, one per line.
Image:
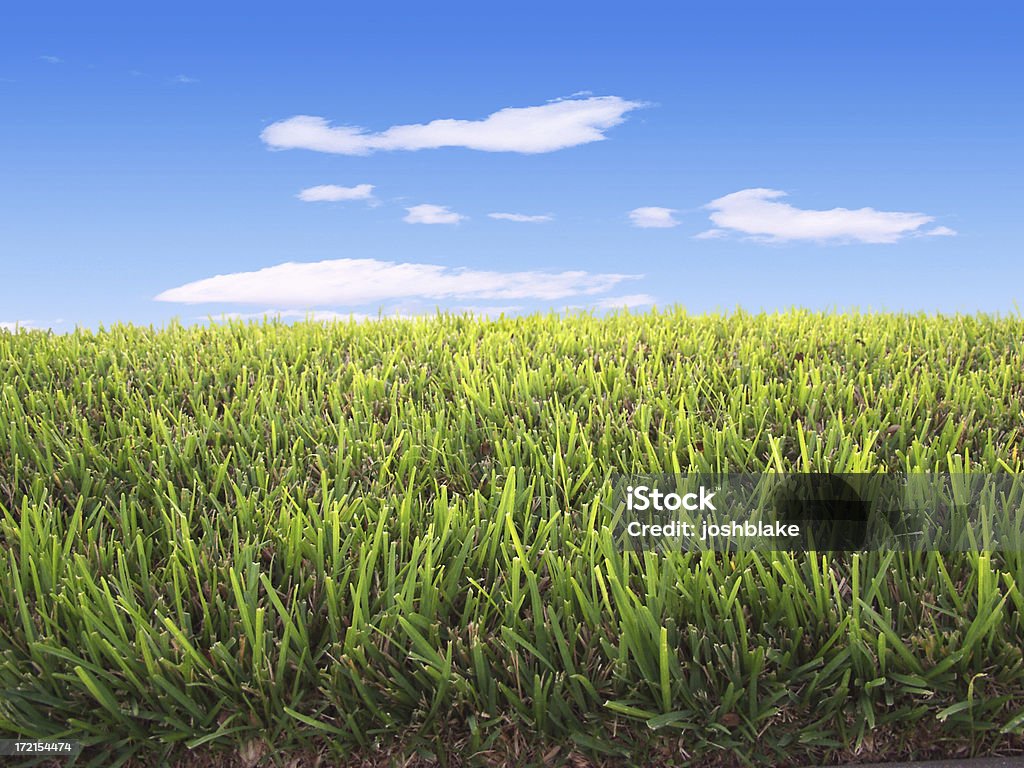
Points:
x=208 y=161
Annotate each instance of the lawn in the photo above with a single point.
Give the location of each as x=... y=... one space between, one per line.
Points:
x=391 y=540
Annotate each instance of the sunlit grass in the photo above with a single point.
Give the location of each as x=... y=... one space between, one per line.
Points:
x=371 y=534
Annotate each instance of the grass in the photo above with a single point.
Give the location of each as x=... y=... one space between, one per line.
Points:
x=390 y=541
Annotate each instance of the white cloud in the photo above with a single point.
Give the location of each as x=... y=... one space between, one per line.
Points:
x=940 y=232
x=184 y=79
x=625 y=302
x=759 y=213
x=546 y=128
x=355 y=282
x=653 y=217
x=432 y=214
x=521 y=217
x=316 y=315
x=711 y=234
x=52 y=59
x=330 y=316
x=13 y=325
x=486 y=311
x=604 y=303
x=332 y=193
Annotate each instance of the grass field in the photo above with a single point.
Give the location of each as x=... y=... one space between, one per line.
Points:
x=390 y=539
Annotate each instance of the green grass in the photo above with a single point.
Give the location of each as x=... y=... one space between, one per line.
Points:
x=392 y=538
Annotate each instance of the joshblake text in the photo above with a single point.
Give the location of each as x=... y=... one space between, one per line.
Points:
x=678 y=529
x=642 y=498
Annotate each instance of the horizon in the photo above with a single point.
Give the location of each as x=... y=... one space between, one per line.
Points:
x=289 y=318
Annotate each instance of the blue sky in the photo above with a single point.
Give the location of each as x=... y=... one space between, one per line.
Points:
x=153 y=166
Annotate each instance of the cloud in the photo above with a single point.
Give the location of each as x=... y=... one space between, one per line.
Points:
x=529 y=130
x=625 y=302
x=184 y=79
x=14 y=325
x=355 y=282
x=940 y=232
x=318 y=315
x=653 y=217
x=52 y=59
x=606 y=303
x=432 y=214
x=711 y=234
x=486 y=311
x=521 y=217
x=332 y=193
x=759 y=213
x=330 y=316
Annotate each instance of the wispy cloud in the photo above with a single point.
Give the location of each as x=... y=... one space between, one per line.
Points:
x=183 y=79
x=332 y=193
x=330 y=316
x=625 y=302
x=760 y=213
x=711 y=234
x=358 y=282
x=521 y=217
x=52 y=59
x=13 y=325
x=432 y=214
x=487 y=311
x=608 y=303
x=653 y=217
x=316 y=315
x=546 y=128
x=940 y=232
